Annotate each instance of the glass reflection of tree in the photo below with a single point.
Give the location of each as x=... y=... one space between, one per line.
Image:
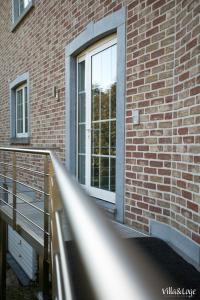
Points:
x=103 y=136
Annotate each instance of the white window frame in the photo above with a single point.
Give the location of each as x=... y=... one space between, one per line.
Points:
x=86 y=56
x=17 y=13
x=21 y=87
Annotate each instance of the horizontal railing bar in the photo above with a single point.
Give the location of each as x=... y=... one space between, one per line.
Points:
x=26 y=169
x=30 y=221
x=24 y=184
x=17 y=211
x=5 y=203
x=65 y=264
x=23 y=150
x=29 y=203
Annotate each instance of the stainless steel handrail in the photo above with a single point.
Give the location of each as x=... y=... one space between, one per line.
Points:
x=114 y=272
x=124 y=276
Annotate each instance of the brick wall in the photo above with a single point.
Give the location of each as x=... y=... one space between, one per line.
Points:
x=162 y=153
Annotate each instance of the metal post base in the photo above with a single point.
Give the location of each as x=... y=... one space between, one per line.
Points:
x=3 y=246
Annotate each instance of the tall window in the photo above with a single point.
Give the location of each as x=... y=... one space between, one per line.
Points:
x=19 y=7
x=96 y=119
x=21 y=111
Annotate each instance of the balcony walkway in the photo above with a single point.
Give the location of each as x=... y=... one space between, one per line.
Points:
x=34 y=235
x=179 y=274
x=175 y=268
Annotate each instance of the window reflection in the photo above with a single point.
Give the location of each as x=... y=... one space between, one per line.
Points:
x=103 y=118
x=81 y=122
x=19 y=111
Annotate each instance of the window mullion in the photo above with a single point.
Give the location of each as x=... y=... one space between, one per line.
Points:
x=23 y=109
x=16 y=110
x=88 y=118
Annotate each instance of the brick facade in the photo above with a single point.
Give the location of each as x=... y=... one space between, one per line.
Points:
x=162 y=168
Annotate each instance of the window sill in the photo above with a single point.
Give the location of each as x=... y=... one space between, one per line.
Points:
x=20 y=18
x=22 y=140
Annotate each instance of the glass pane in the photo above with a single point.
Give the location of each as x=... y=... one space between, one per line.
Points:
x=104 y=141
x=95 y=104
x=81 y=76
x=21 y=6
x=112 y=174
x=113 y=138
x=114 y=64
x=95 y=172
x=95 y=138
x=19 y=111
x=105 y=104
x=26 y=2
x=106 y=68
x=96 y=71
x=81 y=169
x=26 y=109
x=113 y=100
x=81 y=138
x=81 y=107
x=104 y=173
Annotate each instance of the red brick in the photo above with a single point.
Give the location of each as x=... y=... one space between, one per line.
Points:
x=151 y=63
x=184 y=76
x=155 y=209
x=159 y=20
x=144 y=43
x=138 y=82
x=183 y=131
x=150 y=170
x=191 y=44
x=157 y=117
x=164 y=188
x=192 y=206
x=195 y=91
x=158 y=85
x=181 y=184
x=196 y=238
x=152 y=31
x=157 y=53
x=187 y=176
x=187 y=195
x=157 y=164
x=158 y=4
x=150 y=185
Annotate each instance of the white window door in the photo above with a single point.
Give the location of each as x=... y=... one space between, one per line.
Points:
x=96 y=120
x=21 y=111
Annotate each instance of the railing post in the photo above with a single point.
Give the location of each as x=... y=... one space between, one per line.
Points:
x=54 y=242
x=5 y=186
x=3 y=248
x=14 y=189
x=44 y=259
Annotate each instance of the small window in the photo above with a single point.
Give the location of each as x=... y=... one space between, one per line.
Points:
x=20 y=8
x=21 y=111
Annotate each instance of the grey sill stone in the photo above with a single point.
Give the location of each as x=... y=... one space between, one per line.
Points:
x=20 y=18
x=23 y=140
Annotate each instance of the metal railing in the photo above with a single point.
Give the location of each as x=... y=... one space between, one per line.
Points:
x=113 y=271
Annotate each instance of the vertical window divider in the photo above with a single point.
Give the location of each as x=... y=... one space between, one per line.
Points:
x=23 y=115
